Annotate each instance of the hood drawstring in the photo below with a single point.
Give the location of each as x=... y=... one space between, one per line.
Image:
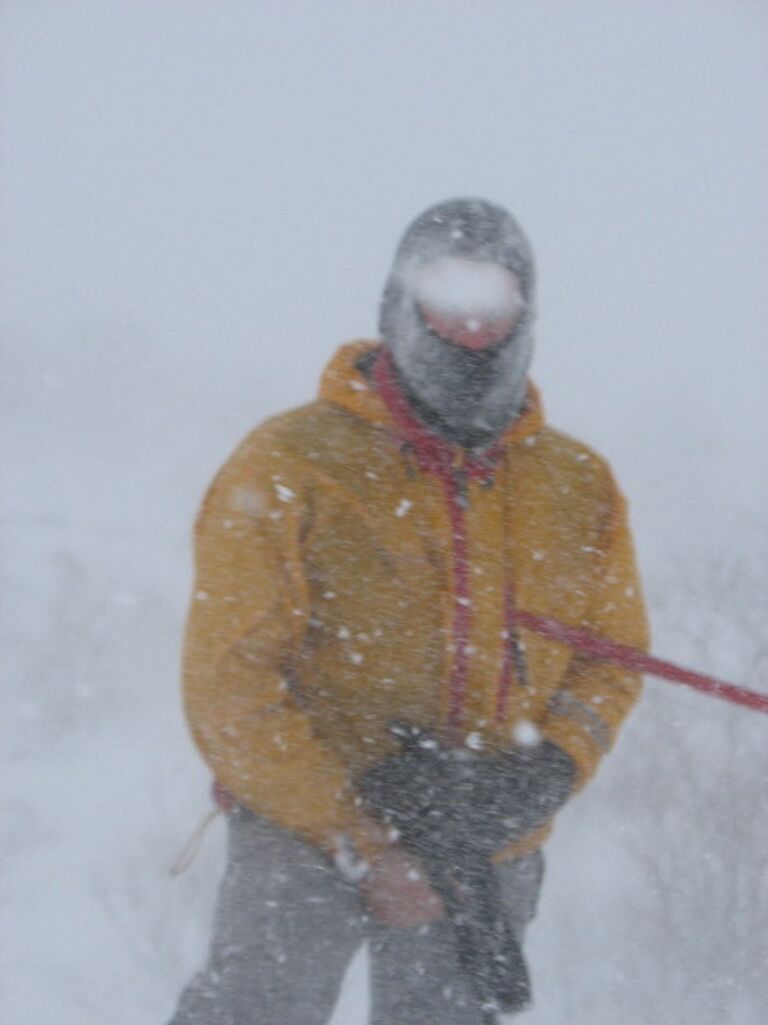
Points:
x=191 y=848
x=514 y=665
x=224 y=803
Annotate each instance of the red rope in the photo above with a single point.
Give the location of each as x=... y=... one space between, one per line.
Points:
x=434 y=456
x=635 y=660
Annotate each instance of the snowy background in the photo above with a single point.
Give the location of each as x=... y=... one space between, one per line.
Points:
x=200 y=201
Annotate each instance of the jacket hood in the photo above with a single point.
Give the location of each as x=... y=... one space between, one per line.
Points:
x=468 y=397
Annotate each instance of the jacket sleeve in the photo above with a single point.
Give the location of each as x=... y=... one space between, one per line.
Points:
x=585 y=714
x=245 y=630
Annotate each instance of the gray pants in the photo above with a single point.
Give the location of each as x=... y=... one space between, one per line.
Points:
x=287 y=926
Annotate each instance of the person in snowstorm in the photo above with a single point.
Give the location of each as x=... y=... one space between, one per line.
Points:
x=394 y=741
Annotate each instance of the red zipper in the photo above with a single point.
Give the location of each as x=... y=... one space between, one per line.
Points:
x=435 y=456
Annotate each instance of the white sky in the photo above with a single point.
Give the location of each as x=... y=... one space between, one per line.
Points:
x=200 y=201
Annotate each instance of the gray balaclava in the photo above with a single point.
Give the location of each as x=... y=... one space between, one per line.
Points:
x=469 y=397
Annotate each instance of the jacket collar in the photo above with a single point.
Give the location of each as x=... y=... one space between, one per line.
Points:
x=376 y=398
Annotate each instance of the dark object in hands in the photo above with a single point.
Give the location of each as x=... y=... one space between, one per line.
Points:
x=454 y=808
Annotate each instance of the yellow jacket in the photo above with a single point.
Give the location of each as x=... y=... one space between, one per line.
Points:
x=341 y=585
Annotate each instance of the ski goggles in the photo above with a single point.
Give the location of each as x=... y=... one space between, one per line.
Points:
x=471 y=303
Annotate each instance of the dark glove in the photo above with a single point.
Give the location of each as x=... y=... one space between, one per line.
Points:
x=447 y=799
x=454 y=809
x=517 y=791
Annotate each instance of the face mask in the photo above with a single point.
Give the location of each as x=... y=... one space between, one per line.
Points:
x=469 y=303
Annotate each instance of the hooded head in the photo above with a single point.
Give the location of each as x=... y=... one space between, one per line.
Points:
x=456 y=315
